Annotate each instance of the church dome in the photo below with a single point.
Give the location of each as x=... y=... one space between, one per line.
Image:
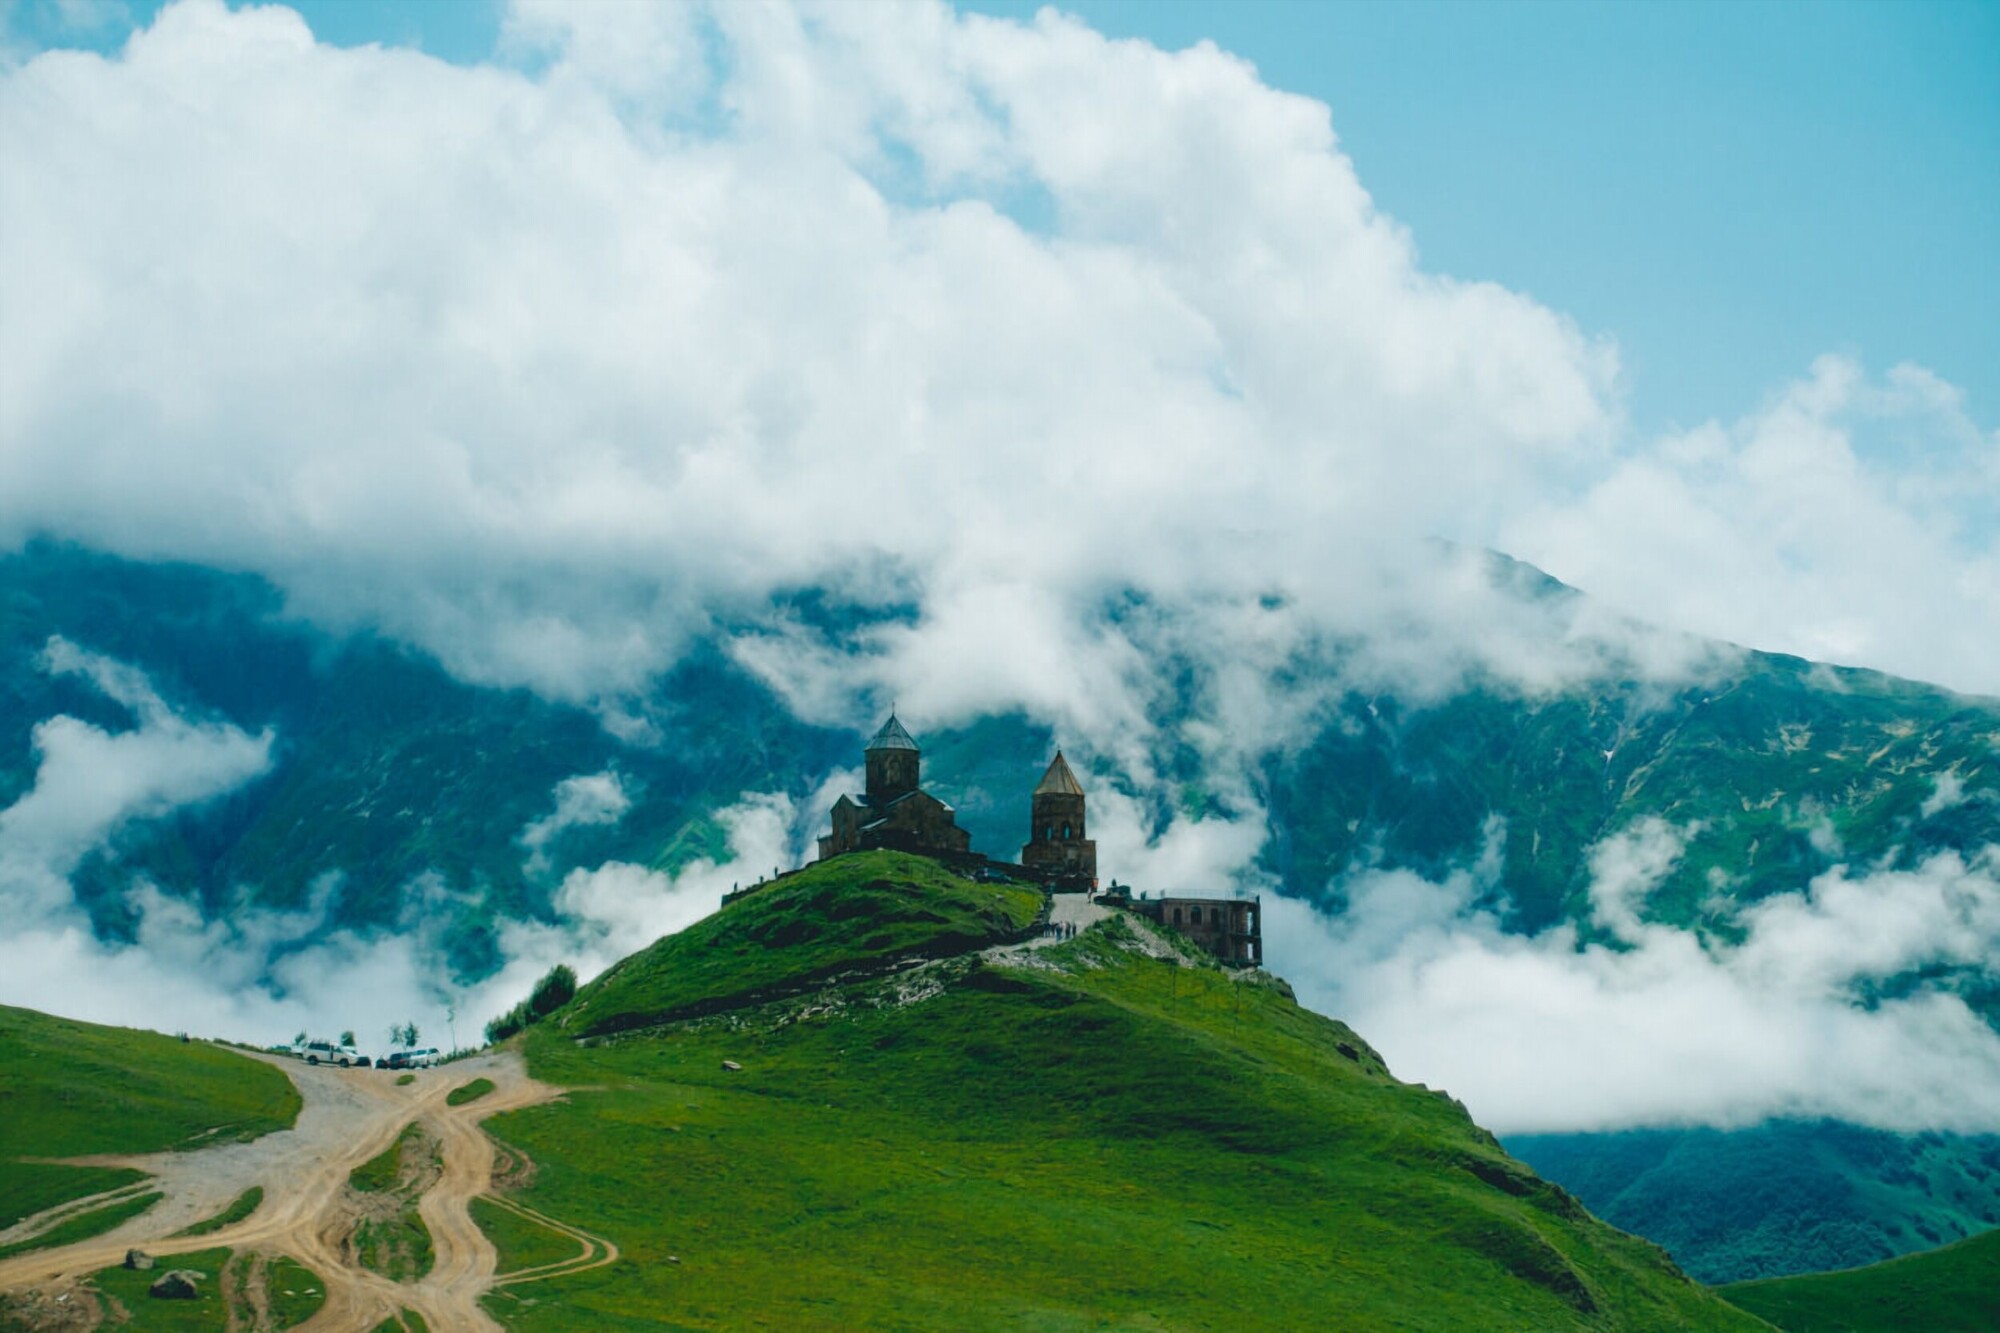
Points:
x=893 y=737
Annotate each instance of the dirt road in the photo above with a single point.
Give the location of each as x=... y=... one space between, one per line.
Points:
x=350 y=1116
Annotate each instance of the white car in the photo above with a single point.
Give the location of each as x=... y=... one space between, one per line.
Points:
x=327 y=1053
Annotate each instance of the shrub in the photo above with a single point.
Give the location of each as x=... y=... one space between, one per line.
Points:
x=551 y=993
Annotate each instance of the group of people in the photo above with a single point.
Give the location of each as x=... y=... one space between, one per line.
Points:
x=1059 y=930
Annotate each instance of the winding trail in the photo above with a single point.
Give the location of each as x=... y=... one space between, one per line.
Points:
x=349 y=1116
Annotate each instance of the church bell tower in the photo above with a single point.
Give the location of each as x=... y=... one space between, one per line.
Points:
x=1057 y=848
x=892 y=760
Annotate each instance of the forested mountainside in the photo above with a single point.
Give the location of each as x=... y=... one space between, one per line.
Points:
x=386 y=771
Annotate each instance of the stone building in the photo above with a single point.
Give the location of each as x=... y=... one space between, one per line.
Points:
x=1230 y=928
x=894 y=811
x=1058 y=852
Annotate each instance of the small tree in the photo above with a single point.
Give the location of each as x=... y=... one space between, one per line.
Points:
x=300 y=1040
x=347 y=1037
x=553 y=991
x=410 y=1033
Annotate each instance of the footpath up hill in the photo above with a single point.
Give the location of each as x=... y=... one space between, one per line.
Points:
x=836 y=1105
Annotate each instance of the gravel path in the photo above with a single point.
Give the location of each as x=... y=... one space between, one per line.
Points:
x=350 y=1116
x=1070 y=909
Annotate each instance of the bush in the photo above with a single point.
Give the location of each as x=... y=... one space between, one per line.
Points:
x=551 y=993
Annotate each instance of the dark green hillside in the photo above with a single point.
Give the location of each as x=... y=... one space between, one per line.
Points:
x=68 y=1089
x=1086 y=1136
x=386 y=771
x=1781 y=1198
x=1952 y=1290
x=390 y=774
x=1759 y=760
x=856 y=913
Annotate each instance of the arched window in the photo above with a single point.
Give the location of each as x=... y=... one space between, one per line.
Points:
x=1177 y=916
x=1065 y=830
x=1049 y=833
x=1194 y=916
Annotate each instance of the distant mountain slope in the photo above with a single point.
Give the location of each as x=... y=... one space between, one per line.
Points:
x=1058 y=1137
x=1786 y=1197
x=1952 y=1290
x=387 y=772
x=390 y=776
x=1785 y=768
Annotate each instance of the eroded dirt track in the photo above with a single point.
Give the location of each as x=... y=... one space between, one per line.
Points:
x=349 y=1117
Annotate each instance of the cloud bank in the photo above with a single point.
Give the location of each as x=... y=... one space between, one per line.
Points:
x=260 y=974
x=1648 y=1024
x=549 y=365
x=584 y=801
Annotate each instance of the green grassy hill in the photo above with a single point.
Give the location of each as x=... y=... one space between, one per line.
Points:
x=1952 y=1290
x=1083 y=1135
x=68 y=1089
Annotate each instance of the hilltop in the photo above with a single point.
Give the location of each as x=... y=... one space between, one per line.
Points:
x=911 y=1119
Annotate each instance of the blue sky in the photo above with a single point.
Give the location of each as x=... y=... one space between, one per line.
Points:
x=1729 y=190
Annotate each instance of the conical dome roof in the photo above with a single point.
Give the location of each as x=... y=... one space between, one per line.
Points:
x=893 y=737
x=1059 y=781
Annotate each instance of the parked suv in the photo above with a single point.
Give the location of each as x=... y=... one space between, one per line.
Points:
x=422 y=1057
x=326 y=1053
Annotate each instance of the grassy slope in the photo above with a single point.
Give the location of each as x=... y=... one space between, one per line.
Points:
x=392 y=1239
x=521 y=1241
x=469 y=1092
x=1952 y=1290
x=206 y=1311
x=858 y=912
x=100 y=1219
x=1122 y=1141
x=26 y=1188
x=69 y=1088
x=293 y=1293
x=245 y=1204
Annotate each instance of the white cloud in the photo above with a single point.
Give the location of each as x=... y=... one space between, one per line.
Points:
x=544 y=375
x=550 y=368
x=583 y=801
x=1658 y=1026
x=90 y=782
x=258 y=973
x=1948 y=792
x=1852 y=520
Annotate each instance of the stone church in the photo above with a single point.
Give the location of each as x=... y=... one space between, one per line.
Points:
x=894 y=812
